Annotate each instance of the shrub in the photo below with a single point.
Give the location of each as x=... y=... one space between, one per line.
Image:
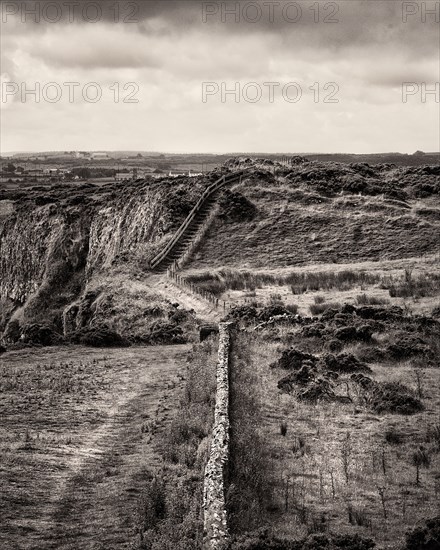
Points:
x=163 y=332
x=393 y=437
x=344 y=363
x=236 y=207
x=318 y=309
x=12 y=332
x=420 y=459
x=275 y=298
x=424 y=285
x=364 y=300
x=433 y=436
x=40 y=335
x=387 y=397
x=353 y=542
x=276 y=309
x=293 y=359
x=99 y=337
x=154 y=501
x=426 y=537
x=358 y=517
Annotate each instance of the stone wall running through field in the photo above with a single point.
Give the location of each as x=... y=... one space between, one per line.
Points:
x=215 y=518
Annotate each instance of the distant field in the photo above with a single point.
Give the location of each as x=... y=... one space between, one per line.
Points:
x=78 y=440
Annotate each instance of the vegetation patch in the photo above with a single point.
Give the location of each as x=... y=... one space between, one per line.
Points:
x=169 y=512
x=387 y=397
x=99 y=337
x=263 y=540
x=235 y=207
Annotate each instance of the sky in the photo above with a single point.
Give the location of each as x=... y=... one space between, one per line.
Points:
x=188 y=76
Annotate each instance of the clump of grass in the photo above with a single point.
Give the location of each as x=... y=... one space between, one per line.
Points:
x=365 y=300
x=358 y=516
x=275 y=298
x=292 y=308
x=420 y=459
x=433 y=436
x=219 y=281
x=299 y=445
x=412 y=287
x=319 y=299
x=318 y=309
x=393 y=437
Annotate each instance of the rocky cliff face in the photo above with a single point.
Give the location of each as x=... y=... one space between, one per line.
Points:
x=55 y=242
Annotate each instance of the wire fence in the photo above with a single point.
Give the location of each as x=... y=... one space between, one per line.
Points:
x=191 y=287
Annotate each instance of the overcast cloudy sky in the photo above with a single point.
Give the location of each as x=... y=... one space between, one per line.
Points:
x=337 y=71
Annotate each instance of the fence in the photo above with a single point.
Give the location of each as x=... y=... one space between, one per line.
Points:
x=181 y=231
x=184 y=283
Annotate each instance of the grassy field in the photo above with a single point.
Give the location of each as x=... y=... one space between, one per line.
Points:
x=82 y=430
x=329 y=466
x=383 y=281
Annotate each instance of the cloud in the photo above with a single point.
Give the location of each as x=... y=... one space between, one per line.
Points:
x=169 y=52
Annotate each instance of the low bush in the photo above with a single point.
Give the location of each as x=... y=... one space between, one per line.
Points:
x=433 y=436
x=363 y=300
x=236 y=207
x=387 y=397
x=99 y=337
x=293 y=359
x=318 y=309
x=39 y=335
x=358 y=516
x=393 y=437
x=412 y=287
x=426 y=537
x=344 y=363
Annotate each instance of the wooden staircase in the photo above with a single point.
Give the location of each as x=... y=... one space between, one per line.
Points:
x=187 y=232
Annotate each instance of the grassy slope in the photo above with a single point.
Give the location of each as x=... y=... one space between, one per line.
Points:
x=77 y=442
x=290 y=230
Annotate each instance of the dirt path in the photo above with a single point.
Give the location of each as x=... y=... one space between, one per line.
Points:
x=85 y=494
x=167 y=289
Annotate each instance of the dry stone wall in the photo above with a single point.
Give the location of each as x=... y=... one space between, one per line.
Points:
x=216 y=534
